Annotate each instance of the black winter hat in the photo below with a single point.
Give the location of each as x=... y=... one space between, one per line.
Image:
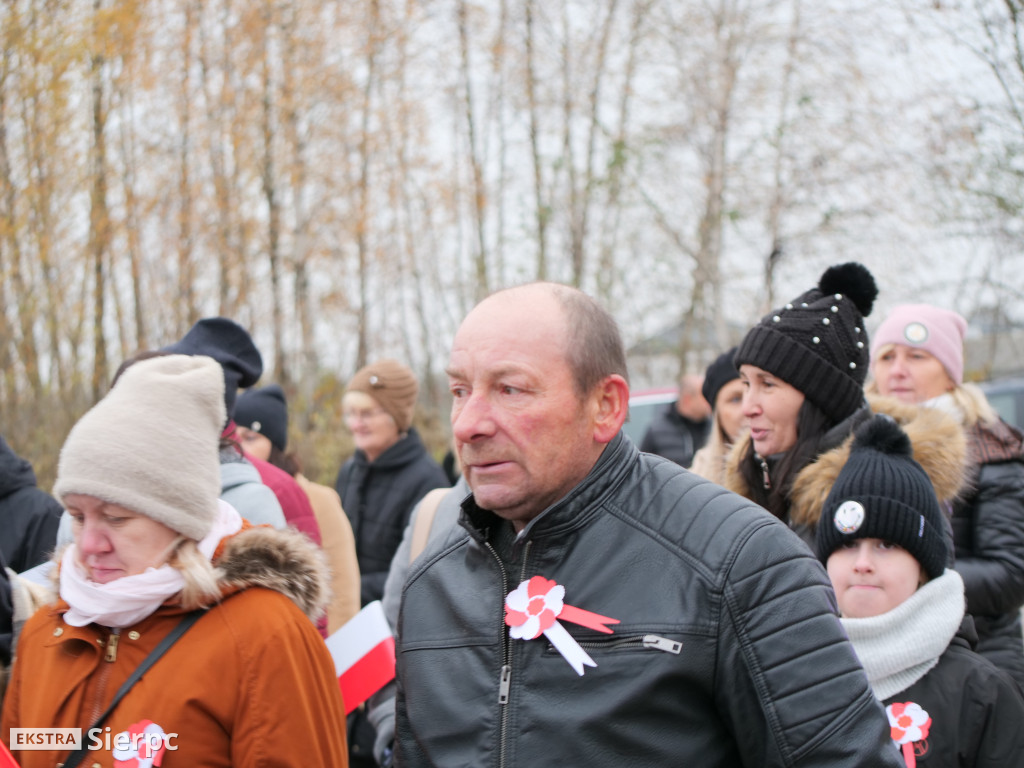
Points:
x=265 y=411
x=230 y=345
x=817 y=343
x=718 y=374
x=882 y=493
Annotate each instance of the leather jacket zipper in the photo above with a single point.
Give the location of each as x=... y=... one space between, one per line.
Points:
x=653 y=642
x=505 y=674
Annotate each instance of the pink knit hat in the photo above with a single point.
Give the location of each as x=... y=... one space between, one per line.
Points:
x=937 y=331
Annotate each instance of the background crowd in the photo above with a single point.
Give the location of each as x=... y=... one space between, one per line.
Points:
x=178 y=502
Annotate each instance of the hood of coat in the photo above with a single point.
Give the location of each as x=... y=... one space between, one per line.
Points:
x=996 y=442
x=284 y=561
x=407 y=450
x=15 y=472
x=940 y=447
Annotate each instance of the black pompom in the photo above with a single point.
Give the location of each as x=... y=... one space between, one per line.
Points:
x=852 y=280
x=883 y=434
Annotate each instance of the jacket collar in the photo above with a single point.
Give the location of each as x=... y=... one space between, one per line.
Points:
x=572 y=510
x=407 y=449
x=939 y=447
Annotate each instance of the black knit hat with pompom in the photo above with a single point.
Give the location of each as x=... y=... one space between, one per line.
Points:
x=882 y=493
x=817 y=342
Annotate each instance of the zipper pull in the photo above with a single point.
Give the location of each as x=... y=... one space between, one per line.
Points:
x=765 y=478
x=662 y=644
x=506 y=683
x=115 y=636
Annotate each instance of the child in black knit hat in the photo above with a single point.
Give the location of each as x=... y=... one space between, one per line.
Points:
x=881 y=538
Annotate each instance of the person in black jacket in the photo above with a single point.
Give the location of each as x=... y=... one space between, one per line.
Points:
x=600 y=606
x=390 y=471
x=680 y=429
x=917 y=356
x=29 y=517
x=379 y=486
x=882 y=538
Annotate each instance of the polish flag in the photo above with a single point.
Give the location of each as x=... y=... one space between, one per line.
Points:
x=364 y=655
x=6 y=758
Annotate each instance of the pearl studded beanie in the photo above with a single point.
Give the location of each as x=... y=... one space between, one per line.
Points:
x=150 y=445
x=817 y=342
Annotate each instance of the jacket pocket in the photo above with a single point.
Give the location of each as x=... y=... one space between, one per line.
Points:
x=631 y=642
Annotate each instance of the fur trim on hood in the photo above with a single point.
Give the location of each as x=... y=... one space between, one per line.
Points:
x=282 y=560
x=940 y=447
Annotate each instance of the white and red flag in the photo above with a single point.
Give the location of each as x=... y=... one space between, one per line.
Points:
x=364 y=655
x=6 y=758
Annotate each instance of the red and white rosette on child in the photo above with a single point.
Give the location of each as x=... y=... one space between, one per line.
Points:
x=533 y=608
x=908 y=722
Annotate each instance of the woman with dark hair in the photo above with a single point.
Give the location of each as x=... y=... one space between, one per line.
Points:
x=803 y=369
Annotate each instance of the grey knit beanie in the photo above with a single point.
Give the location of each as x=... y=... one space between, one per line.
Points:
x=113 y=454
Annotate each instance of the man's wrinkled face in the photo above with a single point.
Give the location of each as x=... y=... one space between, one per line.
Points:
x=523 y=434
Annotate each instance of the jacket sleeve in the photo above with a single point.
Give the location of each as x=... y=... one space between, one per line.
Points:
x=790 y=685
x=991 y=712
x=292 y=712
x=993 y=572
x=42 y=513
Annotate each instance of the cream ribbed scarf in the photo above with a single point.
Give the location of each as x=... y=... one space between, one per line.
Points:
x=899 y=647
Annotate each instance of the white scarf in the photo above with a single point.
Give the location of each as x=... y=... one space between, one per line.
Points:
x=899 y=647
x=125 y=601
x=946 y=404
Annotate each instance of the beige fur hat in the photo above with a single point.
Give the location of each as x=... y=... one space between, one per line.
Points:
x=391 y=384
x=151 y=444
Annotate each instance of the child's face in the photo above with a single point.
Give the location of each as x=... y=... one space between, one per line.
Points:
x=871 y=577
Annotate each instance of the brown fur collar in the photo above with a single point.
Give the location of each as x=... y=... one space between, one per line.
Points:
x=940 y=447
x=282 y=560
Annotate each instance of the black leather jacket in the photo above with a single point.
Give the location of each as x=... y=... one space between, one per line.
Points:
x=728 y=652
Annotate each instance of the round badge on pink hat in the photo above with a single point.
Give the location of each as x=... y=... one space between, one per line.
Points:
x=938 y=331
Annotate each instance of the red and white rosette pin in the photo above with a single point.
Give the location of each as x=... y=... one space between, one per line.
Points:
x=534 y=607
x=908 y=722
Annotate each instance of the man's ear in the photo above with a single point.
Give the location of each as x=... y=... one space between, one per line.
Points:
x=611 y=406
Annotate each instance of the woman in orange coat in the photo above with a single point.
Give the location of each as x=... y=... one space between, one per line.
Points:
x=251 y=683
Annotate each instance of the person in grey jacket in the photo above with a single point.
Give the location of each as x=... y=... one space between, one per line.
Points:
x=602 y=607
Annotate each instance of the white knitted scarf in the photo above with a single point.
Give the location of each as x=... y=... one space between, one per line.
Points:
x=899 y=647
x=125 y=601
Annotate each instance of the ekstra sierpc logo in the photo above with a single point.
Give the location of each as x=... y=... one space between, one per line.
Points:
x=141 y=746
